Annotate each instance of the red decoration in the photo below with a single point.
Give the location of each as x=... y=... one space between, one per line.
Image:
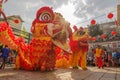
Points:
x=93 y=22
x=45 y=15
x=94 y=38
x=103 y=36
x=114 y=32
x=16 y=21
x=110 y=15
x=75 y=28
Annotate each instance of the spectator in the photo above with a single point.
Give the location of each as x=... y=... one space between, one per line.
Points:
x=11 y=57
x=98 y=55
x=117 y=58
x=113 y=57
x=5 y=54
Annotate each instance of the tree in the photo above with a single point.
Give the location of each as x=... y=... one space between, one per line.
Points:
x=94 y=30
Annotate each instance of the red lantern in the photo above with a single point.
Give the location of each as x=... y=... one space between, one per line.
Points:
x=110 y=15
x=93 y=22
x=114 y=32
x=103 y=36
x=16 y=21
x=94 y=38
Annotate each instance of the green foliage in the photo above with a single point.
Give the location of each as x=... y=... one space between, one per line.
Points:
x=94 y=30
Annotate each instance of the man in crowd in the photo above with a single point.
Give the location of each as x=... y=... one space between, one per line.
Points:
x=5 y=54
x=98 y=56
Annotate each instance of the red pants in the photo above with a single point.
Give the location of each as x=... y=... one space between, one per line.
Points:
x=99 y=61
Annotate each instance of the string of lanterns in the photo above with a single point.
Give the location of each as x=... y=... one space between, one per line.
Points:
x=103 y=36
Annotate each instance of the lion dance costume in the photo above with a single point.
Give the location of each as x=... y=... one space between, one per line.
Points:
x=49 y=29
x=79 y=46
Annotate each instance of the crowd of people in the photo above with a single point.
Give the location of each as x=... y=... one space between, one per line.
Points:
x=102 y=56
x=99 y=56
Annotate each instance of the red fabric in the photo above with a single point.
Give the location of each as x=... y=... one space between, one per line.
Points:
x=84 y=45
x=85 y=48
x=99 y=61
x=74 y=45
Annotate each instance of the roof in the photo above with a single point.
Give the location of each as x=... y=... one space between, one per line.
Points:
x=13 y=16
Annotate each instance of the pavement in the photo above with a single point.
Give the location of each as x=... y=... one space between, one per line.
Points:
x=60 y=74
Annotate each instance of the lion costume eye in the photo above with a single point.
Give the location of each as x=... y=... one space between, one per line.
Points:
x=45 y=16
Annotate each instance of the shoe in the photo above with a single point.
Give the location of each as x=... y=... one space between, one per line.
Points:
x=84 y=68
x=75 y=67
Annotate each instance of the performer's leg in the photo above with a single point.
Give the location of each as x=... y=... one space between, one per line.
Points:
x=99 y=61
x=83 y=61
x=75 y=59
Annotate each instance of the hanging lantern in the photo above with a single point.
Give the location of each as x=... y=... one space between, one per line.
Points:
x=94 y=38
x=93 y=22
x=103 y=36
x=110 y=15
x=16 y=21
x=114 y=33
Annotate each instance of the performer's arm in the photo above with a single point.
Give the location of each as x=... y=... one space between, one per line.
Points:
x=83 y=44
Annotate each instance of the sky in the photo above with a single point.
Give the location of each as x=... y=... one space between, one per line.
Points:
x=77 y=12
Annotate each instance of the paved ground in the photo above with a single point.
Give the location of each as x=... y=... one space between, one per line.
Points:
x=62 y=74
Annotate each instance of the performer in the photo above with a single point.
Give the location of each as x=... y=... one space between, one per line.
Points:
x=98 y=55
x=79 y=47
x=5 y=55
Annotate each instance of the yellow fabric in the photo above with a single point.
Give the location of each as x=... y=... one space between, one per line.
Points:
x=75 y=36
x=17 y=63
x=98 y=52
x=75 y=58
x=62 y=63
x=82 y=37
x=83 y=60
x=79 y=55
